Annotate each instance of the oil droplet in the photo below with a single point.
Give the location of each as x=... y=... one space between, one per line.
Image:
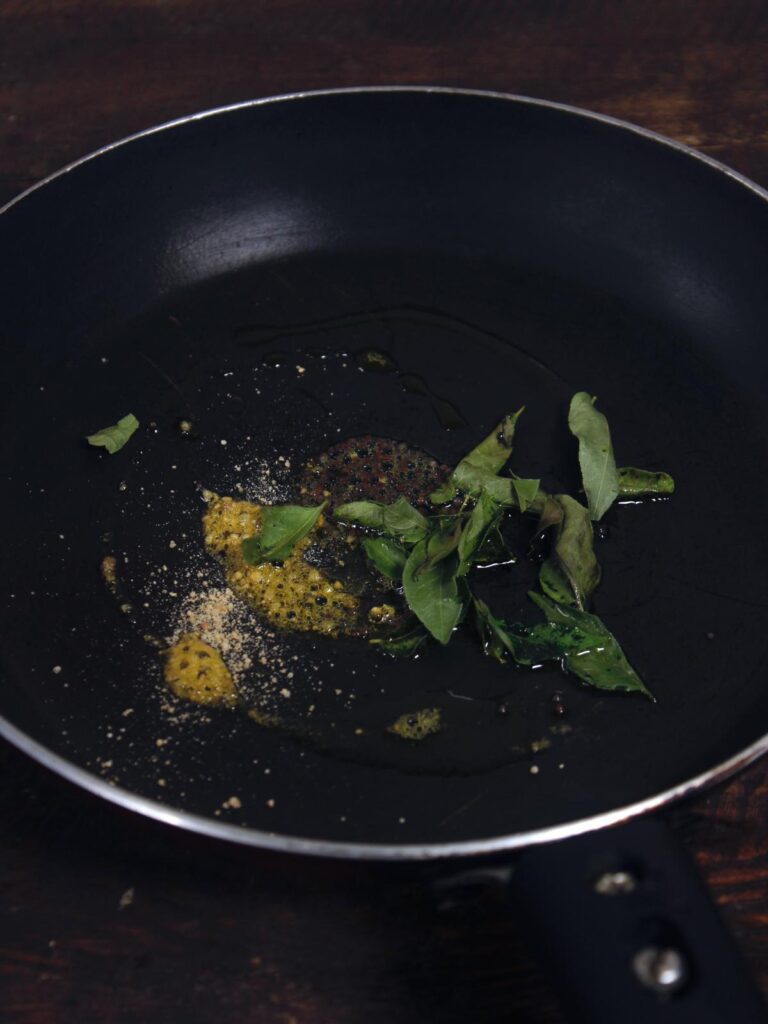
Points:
x=449 y=416
x=413 y=384
x=274 y=359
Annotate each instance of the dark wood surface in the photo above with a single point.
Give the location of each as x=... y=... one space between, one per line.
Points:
x=108 y=918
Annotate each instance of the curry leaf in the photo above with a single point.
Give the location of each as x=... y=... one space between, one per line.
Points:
x=481 y=522
x=442 y=542
x=574 y=552
x=598 y=466
x=403 y=644
x=527 y=645
x=493 y=452
x=444 y=493
x=526 y=492
x=639 y=483
x=581 y=642
x=494 y=549
x=594 y=654
x=550 y=514
x=115 y=437
x=554 y=582
x=479 y=469
x=433 y=595
x=386 y=555
x=546 y=641
x=493 y=633
x=396 y=520
x=282 y=527
x=471 y=480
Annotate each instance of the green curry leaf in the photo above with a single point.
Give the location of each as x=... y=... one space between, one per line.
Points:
x=479 y=469
x=480 y=523
x=386 y=555
x=433 y=594
x=554 y=582
x=115 y=437
x=639 y=483
x=400 y=519
x=442 y=542
x=598 y=466
x=526 y=492
x=473 y=481
x=405 y=643
x=594 y=654
x=282 y=527
x=493 y=633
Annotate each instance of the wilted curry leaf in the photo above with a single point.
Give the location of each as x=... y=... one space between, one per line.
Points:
x=639 y=483
x=554 y=582
x=598 y=466
x=404 y=644
x=573 y=550
x=480 y=467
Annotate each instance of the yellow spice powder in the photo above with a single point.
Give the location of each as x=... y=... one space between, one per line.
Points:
x=294 y=595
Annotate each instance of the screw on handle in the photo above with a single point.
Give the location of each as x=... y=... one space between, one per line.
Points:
x=627 y=930
x=663 y=971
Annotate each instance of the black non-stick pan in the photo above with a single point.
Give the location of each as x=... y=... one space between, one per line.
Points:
x=222 y=278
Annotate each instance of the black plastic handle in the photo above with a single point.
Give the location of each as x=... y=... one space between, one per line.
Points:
x=623 y=924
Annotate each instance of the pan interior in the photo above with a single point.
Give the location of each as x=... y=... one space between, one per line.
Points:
x=263 y=359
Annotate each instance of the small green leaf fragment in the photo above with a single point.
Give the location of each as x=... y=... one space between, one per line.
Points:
x=641 y=483
x=282 y=527
x=115 y=437
x=598 y=466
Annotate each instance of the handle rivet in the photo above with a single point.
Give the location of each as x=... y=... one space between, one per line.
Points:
x=662 y=970
x=615 y=883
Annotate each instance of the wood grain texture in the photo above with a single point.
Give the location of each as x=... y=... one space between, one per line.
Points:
x=213 y=933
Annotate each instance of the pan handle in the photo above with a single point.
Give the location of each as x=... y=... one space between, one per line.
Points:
x=624 y=924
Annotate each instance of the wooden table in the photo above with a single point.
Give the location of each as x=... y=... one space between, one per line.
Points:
x=108 y=918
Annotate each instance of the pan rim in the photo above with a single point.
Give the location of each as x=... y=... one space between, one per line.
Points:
x=282 y=842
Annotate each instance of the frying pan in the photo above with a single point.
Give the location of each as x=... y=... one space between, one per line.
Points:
x=228 y=269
